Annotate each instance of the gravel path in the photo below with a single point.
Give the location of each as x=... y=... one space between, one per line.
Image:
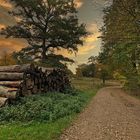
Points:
x=111 y=115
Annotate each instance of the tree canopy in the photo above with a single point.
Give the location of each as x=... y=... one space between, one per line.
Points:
x=47 y=25
x=121 y=39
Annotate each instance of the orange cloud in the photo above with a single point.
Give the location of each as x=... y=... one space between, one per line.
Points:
x=85 y=49
x=93 y=29
x=92 y=38
x=6 y=4
x=11 y=45
x=78 y=3
x=2 y=26
x=18 y=19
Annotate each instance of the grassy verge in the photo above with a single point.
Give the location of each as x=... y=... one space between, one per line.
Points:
x=34 y=130
x=44 y=117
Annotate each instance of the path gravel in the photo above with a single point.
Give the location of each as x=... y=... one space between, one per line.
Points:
x=111 y=115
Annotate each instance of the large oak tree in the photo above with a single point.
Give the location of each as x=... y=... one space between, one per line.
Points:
x=47 y=25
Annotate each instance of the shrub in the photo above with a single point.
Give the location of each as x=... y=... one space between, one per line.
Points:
x=45 y=107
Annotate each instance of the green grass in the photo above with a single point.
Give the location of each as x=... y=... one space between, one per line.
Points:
x=49 y=114
x=34 y=130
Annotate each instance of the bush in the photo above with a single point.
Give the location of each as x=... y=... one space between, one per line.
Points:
x=120 y=77
x=45 y=107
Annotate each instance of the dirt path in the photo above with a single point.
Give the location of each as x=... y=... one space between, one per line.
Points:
x=111 y=115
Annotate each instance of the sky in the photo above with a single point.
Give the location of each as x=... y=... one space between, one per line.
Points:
x=89 y=12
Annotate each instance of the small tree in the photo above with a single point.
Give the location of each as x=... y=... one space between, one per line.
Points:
x=47 y=25
x=79 y=73
x=104 y=75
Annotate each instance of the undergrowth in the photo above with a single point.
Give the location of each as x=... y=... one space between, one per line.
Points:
x=45 y=116
x=45 y=107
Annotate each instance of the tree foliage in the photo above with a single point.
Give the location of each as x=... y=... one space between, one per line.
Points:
x=86 y=70
x=47 y=25
x=121 y=39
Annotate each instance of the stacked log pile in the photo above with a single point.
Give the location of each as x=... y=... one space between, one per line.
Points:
x=57 y=81
x=18 y=81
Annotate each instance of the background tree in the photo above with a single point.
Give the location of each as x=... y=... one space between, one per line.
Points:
x=85 y=70
x=47 y=25
x=79 y=73
x=93 y=59
x=121 y=39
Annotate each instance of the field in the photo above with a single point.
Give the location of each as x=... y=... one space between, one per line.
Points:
x=45 y=116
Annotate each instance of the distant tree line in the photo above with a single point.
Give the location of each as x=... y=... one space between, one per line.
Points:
x=93 y=69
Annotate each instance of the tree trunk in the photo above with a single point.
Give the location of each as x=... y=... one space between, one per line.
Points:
x=133 y=57
x=104 y=80
x=44 y=50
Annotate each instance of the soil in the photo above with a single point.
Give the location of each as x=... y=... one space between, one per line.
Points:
x=111 y=115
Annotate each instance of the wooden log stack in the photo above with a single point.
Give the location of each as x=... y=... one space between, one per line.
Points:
x=18 y=81
x=57 y=80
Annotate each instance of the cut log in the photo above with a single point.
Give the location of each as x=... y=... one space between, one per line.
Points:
x=10 y=76
x=47 y=70
x=15 y=68
x=29 y=83
x=10 y=84
x=30 y=79
x=10 y=93
x=3 y=101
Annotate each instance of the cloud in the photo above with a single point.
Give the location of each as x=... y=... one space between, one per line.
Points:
x=92 y=38
x=11 y=45
x=94 y=33
x=8 y=5
x=102 y=3
x=2 y=26
x=78 y=3
x=93 y=28
x=85 y=49
x=89 y=42
x=5 y=4
x=18 y=19
x=88 y=47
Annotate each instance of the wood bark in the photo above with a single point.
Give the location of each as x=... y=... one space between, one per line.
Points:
x=3 y=101
x=10 y=84
x=47 y=70
x=10 y=93
x=15 y=68
x=18 y=81
x=10 y=76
